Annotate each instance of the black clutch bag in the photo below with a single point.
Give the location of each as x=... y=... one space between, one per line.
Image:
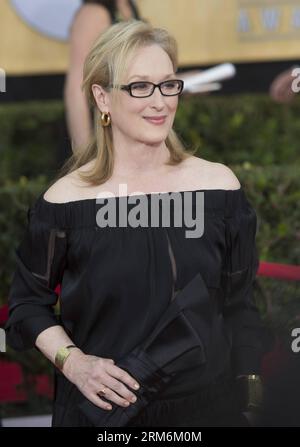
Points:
x=178 y=342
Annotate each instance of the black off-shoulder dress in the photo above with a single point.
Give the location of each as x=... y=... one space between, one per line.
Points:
x=116 y=282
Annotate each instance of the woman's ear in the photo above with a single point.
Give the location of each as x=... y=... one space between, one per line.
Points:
x=101 y=97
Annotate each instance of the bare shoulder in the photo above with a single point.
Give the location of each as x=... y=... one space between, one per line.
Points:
x=212 y=175
x=63 y=190
x=68 y=188
x=225 y=177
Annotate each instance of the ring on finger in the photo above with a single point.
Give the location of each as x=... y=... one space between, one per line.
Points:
x=101 y=392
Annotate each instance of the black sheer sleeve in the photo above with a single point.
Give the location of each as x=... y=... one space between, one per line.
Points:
x=241 y=264
x=40 y=262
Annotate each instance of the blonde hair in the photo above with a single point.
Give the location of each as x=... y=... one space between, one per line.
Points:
x=106 y=64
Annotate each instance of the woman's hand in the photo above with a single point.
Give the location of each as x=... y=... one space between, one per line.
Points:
x=91 y=374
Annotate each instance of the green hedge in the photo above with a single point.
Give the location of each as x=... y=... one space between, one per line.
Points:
x=236 y=129
x=231 y=130
x=31 y=137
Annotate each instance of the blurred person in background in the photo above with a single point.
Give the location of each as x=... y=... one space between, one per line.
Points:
x=93 y=18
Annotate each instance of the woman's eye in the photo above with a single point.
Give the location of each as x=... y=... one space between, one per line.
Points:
x=140 y=86
x=171 y=84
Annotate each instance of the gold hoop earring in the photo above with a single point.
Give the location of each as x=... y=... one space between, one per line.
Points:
x=105 y=119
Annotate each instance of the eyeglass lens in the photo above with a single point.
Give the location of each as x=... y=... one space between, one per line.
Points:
x=145 y=88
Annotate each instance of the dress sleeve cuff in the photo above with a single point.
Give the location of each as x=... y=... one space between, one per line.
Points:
x=25 y=332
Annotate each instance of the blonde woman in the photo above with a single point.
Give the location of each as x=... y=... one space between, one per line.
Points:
x=143 y=305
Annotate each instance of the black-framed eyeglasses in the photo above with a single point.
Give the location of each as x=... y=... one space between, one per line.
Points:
x=143 y=89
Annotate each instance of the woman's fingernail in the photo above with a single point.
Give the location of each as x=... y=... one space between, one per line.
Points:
x=136 y=386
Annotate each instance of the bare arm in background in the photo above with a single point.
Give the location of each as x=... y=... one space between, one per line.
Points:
x=90 y=21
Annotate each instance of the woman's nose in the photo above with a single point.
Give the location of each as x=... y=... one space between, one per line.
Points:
x=158 y=98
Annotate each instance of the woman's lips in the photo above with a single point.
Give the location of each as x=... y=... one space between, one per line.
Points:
x=156 y=121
